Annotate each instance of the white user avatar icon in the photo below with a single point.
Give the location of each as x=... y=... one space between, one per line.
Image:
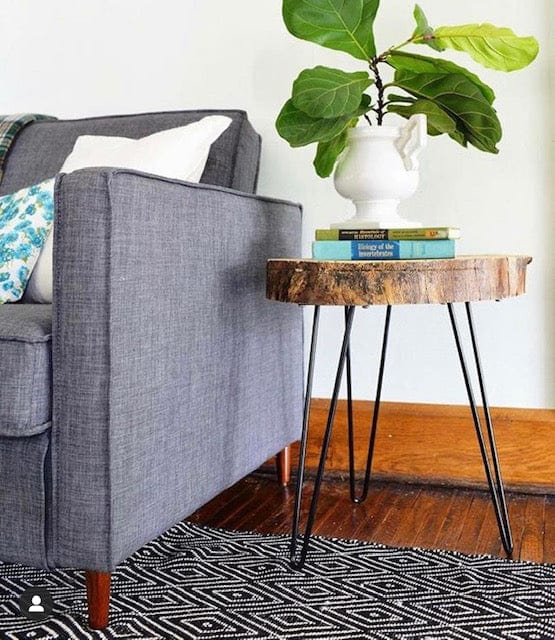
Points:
x=36 y=606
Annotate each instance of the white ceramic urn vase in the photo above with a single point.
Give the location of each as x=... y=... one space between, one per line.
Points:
x=377 y=170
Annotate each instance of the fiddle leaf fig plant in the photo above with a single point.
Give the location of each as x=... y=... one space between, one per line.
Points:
x=326 y=102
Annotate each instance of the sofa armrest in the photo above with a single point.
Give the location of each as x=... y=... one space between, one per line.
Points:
x=173 y=376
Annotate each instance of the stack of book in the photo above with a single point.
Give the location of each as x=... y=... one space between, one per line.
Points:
x=385 y=244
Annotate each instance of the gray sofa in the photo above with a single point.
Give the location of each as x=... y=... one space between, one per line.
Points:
x=160 y=375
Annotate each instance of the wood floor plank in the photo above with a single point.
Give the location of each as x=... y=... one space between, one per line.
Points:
x=333 y=514
x=451 y=529
x=362 y=518
x=489 y=537
x=400 y=531
x=434 y=506
x=402 y=503
x=387 y=519
x=549 y=531
x=468 y=539
x=516 y=506
x=260 y=512
x=223 y=508
x=531 y=546
x=393 y=514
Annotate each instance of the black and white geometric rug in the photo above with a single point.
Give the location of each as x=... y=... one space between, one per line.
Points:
x=206 y=584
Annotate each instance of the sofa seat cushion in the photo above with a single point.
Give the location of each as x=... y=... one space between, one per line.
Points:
x=25 y=369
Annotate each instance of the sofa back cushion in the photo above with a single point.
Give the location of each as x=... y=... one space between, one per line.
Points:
x=41 y=147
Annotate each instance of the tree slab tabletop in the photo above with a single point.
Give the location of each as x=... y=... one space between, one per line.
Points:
x=366 y=282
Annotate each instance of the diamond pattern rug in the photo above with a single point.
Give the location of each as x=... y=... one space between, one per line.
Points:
x=205 y=584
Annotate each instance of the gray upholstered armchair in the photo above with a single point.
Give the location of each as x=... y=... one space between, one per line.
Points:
x=160 y=375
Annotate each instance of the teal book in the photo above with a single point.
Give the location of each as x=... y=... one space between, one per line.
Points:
x=382 y=249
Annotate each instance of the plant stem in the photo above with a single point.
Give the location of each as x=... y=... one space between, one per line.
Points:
x=379 y=86
x=411 y=40
x=382 y=104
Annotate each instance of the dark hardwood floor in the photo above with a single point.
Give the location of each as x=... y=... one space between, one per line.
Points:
x=393 y=514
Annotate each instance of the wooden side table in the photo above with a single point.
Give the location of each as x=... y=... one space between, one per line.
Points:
x=362 y=283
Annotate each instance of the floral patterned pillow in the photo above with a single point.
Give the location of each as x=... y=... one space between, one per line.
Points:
x=25 y=220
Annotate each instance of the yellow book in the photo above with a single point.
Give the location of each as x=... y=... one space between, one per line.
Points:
x=423 y=233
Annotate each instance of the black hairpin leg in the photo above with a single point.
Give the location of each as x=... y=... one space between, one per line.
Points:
x=304 y=433
x=372 y=437
x=495 y=485
x=299 y=563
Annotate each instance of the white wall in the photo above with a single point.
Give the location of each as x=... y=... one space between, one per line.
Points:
x=73 y=58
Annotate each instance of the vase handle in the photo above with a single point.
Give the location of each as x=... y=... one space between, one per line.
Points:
x=412 y=140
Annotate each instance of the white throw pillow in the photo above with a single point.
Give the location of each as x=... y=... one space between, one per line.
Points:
x=179 y=153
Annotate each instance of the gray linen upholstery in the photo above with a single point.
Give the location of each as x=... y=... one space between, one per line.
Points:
x=24 y=480
x=42 y=147
x=26 y=370
x=173 y=376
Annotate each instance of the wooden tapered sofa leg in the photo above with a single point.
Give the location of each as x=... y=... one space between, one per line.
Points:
x=98 y=598
x=283 y=463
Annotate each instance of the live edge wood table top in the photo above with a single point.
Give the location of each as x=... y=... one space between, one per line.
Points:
x=390 y=282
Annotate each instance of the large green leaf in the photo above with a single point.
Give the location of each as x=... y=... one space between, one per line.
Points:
x=424 y=64
x=328 y=152
x=493 y=47
x=395 y=97
x=476 y=119
x=328 y=93
x=300 y=129
x=438 y=120
x=346 y=25
x=423 y=30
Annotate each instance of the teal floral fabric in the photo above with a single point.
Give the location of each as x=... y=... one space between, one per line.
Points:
x=25 y=219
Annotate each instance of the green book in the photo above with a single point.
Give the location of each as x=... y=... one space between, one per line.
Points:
x=423 y=233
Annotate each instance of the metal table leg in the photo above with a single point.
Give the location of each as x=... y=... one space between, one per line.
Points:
x=495 y=485
x=305 y=538
x=350 y=422
x=494 y=478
